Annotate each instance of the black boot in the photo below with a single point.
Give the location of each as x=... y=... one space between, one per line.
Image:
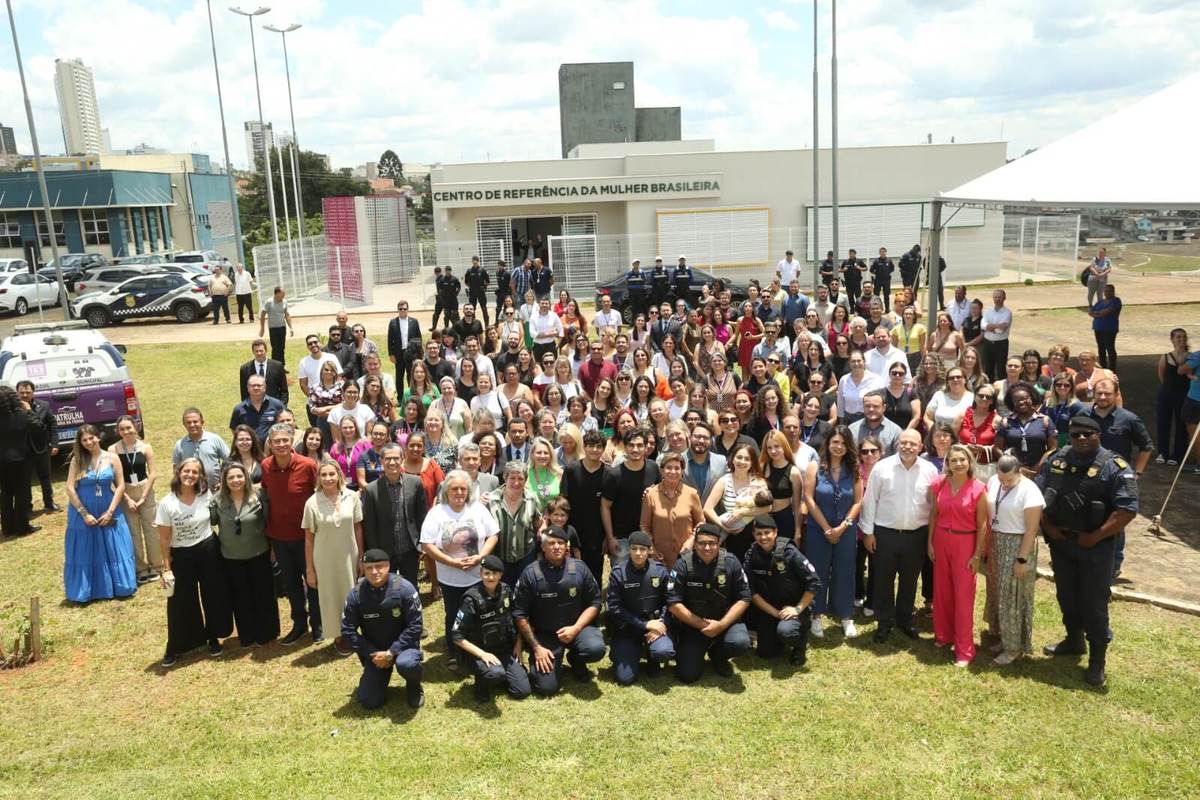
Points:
x=483 y=691
x=799 y=656
x=415 y=694
x=1073 y=645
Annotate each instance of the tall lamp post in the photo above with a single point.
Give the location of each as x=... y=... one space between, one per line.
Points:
x=233 y=205
x=834 y=143
x=41 y=173
x=816 y=154
x=250 y=15
x=295 y=149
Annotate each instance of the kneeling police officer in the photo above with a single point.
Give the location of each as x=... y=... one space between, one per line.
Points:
x=783 y=584
x=1091 y=495
x=637 y=608
x=707 y=594
x=382 y=623
x=557 y=600
x=484 y=630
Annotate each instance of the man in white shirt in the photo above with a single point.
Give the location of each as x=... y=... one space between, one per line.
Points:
x=547 y=330
x=607 y=317
x=997 y=322
x=483 y=364
x=960 y=309
x=309 y=371
x=787 y=268
x=802 y=453
x=895 y=526
x=822 y=306
x=243 y=289
x=883 y=355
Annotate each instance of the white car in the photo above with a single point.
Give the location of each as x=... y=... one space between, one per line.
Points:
x=13 y=265
x=20 y=292
x=205 y=259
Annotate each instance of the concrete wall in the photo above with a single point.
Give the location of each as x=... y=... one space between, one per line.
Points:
x=658 y=124
x=589 y=109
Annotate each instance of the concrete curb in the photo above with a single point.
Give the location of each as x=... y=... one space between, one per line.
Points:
x=1120 y=593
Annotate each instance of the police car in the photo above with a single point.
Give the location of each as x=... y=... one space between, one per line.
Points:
x=152 y=295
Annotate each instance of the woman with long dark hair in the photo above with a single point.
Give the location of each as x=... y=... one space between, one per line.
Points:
x=247 y=451
x=99 y=551
x=240 y=513
x=833 y=492
x=138 y=469
x=743 y=482
x=1168 y=409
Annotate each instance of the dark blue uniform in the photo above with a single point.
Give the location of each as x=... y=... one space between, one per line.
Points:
x=636 y=596
x=486 y=621
x=477 y=283
x=503 y=290
x=660 y=283
x=550 y=598
x=387 y=618
x=781 y=577
x=543 y=281
x=1120 y=431
x=708 y=591
x=1081 y=493
x=910 y=268
x=852 y=271
x=682 y=280
x=827 y=270
x=635 y=284
x=881 y=275
x=446 y=289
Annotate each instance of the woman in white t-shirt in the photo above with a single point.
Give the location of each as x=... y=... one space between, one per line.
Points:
x=490 y=400
x=198 y=605
x=457 y=532
x=950 y=404
x=1015 y=509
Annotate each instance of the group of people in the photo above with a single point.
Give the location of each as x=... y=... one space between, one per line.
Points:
x=745 y=491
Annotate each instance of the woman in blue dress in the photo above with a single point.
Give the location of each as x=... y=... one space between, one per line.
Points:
x=99 y=549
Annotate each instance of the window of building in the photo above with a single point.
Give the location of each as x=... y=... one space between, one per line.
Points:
x=95 y=226
x=618 y=85
x=152 y=219
x=60 y=229
x=10 y=232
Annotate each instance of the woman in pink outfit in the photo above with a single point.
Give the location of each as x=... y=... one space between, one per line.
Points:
x=957 y=538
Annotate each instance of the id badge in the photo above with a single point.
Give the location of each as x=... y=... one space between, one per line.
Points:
x=134 y=480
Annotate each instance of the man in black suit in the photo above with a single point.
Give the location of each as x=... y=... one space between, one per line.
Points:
x=393 y=509
x=665 y=326
x=43 y=440
x=403 y=343
x=271 y=370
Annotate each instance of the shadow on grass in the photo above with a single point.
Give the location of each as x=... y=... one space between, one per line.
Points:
x=317 y=656
x=464 y=697
x=394 y=707
x=656 y=684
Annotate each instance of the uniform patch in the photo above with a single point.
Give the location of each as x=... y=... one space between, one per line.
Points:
x=779 y=565
x=655 y=581
x=507 y=601
x=721 y=579
x=1093 y=471
x=571 y=591
x=396 y=612
x=1120 y=462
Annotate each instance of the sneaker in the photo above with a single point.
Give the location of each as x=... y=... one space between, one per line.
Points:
x=146 y=577
x=1171 y=462
x=858 y=602
x=296 y=633
x=848 y=628
x=962 y=662
x=1005 y=658
x=342 y=646
x=868 y=612
x=817 y=629
x=415 y=694
x=168 y=660
x=1159 y=459
x=452 y=663
x=214 y=649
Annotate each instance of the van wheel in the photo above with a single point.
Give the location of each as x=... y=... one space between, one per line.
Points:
x=187 y=312
x=22 y=307
x=97 y=317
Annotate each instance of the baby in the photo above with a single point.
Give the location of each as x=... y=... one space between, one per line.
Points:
x=747 y=507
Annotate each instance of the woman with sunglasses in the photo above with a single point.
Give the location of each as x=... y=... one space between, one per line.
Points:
x=901 y=404
x=511 y=325
x=977 y=431
x=948 y=405
x=239 y=513
x=839 y=359
x=624 y=389
x=580 y=352
x=1026 y=433
x=869 y=453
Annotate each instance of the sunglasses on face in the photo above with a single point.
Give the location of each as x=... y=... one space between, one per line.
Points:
x=773 y=361
x=866 y=451
x=1082 y=434
x=956 y=378
x=897 y=374
x=623 y=380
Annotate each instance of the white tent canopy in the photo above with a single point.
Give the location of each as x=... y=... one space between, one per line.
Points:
x=1143 y=156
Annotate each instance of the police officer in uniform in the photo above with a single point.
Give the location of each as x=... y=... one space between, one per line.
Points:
x=660 y=282
x=827 y=268
x=707 y=594
x=635 y=284
x=881 y=274
x=484 y=630
x=477 y=283
x=910 y=268
x=503 y=288
x=1091 y=494
x=637 y=611
x=852 y=270
x=783 y=584
x=382 y=623
x=682 y=280
x=557 y=600
x=446 y=289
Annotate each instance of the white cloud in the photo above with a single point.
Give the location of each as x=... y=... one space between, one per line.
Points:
x=453 y=81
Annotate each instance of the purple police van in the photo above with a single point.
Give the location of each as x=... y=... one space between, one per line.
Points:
x=77 y=371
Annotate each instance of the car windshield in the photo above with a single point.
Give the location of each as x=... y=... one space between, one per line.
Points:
x=62 y=370
x=189 y=259
x=69 y=261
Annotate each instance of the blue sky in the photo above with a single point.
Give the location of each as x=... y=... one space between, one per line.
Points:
x=455 y=81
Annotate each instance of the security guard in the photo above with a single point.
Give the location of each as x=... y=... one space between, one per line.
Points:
x=503 y=288
x=881 y=275
x=660 y=282
x=635 y=284
x=783 y=584
x=707 y=594
x=477 y=283
x=637 y=611
x=1091 y=494
x=382 y=623
x=682 y=280
x=1121 y=431
x=910 y=268
x=557 y=601
x=827 y=268
x=485 y=631
x=852 y=270
x=446 y=289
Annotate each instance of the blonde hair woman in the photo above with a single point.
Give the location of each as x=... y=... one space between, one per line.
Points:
x=545 y=476
x=333 y=543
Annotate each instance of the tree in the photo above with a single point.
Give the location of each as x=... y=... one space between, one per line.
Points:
x=390 y=166
x=316 y=183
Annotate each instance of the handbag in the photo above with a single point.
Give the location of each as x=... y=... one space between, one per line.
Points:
x=1083 y=276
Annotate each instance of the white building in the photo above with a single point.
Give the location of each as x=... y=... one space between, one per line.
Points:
x=731 y=212
x=260 y=138
x=75 y=87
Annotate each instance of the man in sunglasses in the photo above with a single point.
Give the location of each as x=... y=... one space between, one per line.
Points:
x=1091 y=495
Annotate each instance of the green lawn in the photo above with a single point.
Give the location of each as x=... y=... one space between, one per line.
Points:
x=1159 y=263
x=99 y=719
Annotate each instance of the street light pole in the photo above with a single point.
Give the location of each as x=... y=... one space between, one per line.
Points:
x=833 y=142
x=41 y=173
x=816 y=153
x=233 y=204
x=250 y=15
x=295 y=149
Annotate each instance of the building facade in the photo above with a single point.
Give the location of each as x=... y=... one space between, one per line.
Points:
x=596 y=104
x=75 y=87
x=260 y=139
x=731 y=212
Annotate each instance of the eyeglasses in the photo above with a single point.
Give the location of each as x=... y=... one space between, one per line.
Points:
x=866 y=451
x=622 y=379
x=1062 y=385
x=774 y=361
x=725 y=420
x=986 y=396
x=899 y=373
x=1082 y=434
x=956 y=378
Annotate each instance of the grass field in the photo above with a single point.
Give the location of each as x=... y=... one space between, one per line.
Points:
x=99 y=719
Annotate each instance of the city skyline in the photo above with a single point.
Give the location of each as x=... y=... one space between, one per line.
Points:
x=78 y=107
